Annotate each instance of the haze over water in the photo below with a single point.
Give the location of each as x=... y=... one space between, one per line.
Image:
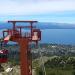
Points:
x=59 y=36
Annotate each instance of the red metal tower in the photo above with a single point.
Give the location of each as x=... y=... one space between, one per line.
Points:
x=15 y=35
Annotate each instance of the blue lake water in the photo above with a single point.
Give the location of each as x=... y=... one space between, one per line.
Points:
x=59 y=36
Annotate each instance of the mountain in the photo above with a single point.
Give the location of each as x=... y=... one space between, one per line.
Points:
x=48 y=25
x=41 y=25
x=5 y=25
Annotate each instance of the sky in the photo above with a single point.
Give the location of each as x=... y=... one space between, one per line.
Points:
x=61 y=11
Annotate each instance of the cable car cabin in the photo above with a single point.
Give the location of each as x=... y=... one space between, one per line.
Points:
x=3 y=56
x=36 y=35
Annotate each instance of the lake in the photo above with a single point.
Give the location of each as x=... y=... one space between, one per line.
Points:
x=59 y=36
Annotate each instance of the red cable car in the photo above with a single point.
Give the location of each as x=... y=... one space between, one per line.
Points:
x=3 y=56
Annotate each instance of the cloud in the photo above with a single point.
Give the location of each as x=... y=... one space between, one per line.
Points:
x=62 y=11
x=18 y=7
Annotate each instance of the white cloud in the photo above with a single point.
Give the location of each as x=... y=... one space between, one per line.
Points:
x=22 y=7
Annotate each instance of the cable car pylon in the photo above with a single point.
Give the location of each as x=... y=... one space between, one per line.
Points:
x=15 y=35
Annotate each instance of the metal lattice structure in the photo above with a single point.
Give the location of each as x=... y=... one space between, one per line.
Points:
x=15 y=34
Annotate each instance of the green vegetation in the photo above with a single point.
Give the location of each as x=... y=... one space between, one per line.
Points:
x=61 y=65
x=58 y=59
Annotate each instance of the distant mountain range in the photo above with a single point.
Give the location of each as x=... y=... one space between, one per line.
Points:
x=47 y=25
x=42 y=25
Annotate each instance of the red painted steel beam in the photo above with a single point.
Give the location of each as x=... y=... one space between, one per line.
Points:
x=24 y=46
x=24 y=21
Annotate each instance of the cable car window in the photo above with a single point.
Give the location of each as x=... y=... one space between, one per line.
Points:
x=0 y=55
x=3 y=55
